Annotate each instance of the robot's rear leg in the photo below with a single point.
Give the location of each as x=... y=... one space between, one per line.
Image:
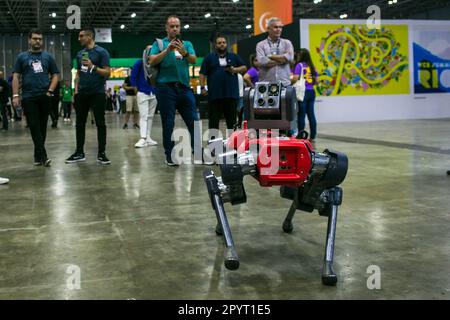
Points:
x=288 y=227
x=329 y=277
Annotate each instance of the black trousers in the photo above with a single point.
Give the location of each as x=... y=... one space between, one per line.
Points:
x=226 y=107
x=37 y=110
x=96 y=102
x=54 y=112
x=67 y=108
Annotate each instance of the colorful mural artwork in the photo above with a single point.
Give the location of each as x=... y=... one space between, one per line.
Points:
x=353 y=60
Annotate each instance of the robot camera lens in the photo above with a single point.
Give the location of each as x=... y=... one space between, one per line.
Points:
x=262 y=89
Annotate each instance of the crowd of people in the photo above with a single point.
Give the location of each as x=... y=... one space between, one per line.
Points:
x=36 y=87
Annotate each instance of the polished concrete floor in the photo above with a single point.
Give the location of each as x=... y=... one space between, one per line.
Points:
x=141 y=230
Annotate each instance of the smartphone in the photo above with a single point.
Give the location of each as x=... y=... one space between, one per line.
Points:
x=178 y=37
x=85 y=56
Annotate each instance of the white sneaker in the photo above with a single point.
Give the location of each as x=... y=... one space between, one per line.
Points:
x=4 y=181
x=141 y=143
x=204 y=161
x=151 y=142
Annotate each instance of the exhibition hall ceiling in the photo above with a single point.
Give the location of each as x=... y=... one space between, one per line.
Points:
x=235 y=16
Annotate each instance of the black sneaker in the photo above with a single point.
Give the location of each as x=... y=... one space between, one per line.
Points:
x=76 y=157
x=136 y=126
x=170 y=162
x=102 y=159
x=37 y=163
x=125 y=126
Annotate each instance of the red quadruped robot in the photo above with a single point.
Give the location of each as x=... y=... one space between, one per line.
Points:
x=308 y=178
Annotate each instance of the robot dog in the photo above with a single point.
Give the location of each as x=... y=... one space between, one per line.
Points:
x=309 y=179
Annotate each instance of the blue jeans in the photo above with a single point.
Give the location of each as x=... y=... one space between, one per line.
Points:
x=4 y=114
x=171 y=98
x=306 y=108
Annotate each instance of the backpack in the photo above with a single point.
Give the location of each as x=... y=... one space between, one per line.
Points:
x=151 y=72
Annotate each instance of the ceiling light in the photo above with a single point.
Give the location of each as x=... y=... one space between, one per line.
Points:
x=207 y=15
x=53 y=27
x=53 y=14
x=186 y=26
x=249 y=26
x=122 y=26
x=133 y=15
x=235 y=1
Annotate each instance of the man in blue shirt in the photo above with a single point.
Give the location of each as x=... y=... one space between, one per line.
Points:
x=146 y=101
x=221 y=69
x=35 y=66
x=173 y=90
x=93 y=70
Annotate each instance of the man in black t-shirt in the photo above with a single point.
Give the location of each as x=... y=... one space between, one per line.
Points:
x=34 y=67
x=132 y=107
x=93 y=70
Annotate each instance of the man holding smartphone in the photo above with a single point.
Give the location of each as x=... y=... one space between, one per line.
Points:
x=173 y=91
x=93 y=70
x=221 y=69
x=35 y=66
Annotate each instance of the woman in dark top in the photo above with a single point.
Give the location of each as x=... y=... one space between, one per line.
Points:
x=306 y=69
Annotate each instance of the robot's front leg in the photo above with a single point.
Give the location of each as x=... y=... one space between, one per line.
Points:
x=223 y=227
x=329 y=277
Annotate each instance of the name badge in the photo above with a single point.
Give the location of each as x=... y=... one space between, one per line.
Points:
x=275 y=51
x=37 y=66
x=223 y=62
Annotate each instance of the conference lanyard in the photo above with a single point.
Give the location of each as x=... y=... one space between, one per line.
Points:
x=277 y=49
